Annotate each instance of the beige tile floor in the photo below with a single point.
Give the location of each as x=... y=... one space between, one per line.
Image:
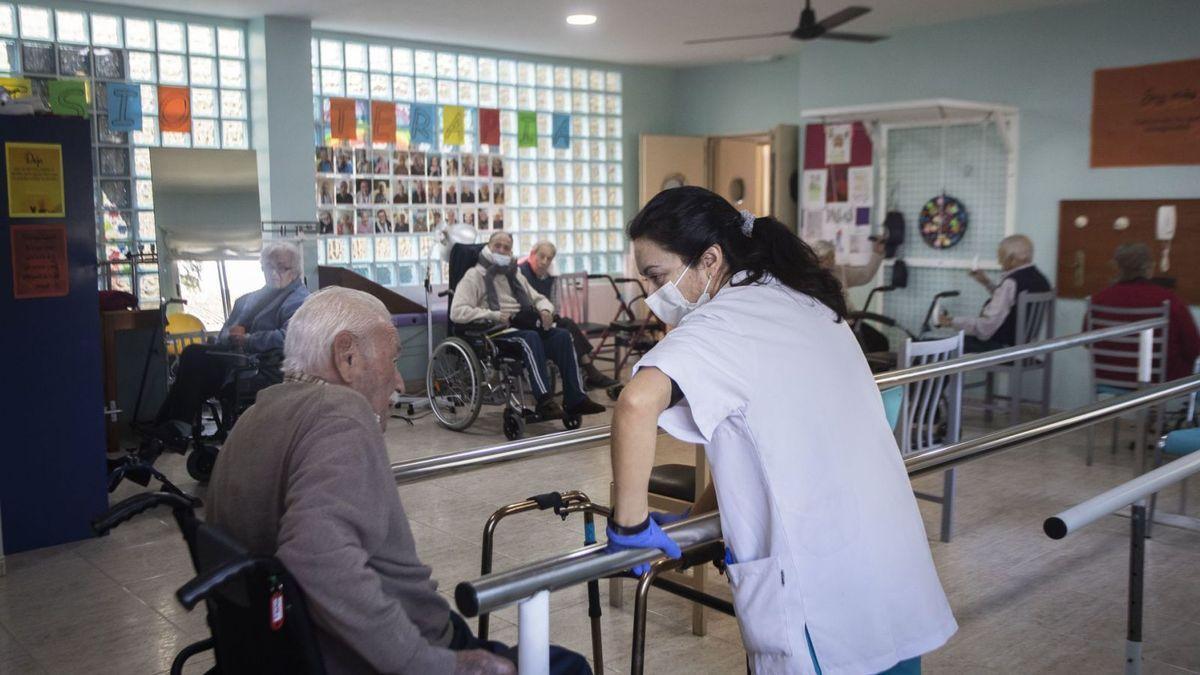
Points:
x=1025 y=604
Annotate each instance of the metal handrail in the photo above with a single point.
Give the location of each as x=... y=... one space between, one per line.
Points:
x=1001 y=356
x=439 y=465
x=494 y=591
x=413 y=470
x=1087 y=512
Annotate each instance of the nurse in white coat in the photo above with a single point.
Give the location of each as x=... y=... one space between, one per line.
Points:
x=832 y=571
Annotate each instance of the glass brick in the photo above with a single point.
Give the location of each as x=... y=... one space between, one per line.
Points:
x=172 y=69
x=109 y=63
x=356 y=56
x=204 y=102
x=231 y=42
x=204 y=71
x=139 y=34
x=170 y=37
x=233 y=73
x=35 y=23
x=201 y=40
x=72 y=26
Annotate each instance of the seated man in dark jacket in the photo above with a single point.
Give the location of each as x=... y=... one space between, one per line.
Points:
x=304 y=476
x=256 y=325
x=996 y=325
x=536 y=269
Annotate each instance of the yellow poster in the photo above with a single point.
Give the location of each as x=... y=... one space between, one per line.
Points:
x=453 y=125
x=17 y=87
x=35 y=180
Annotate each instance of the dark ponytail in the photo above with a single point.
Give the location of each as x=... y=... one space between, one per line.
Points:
x=688 y=220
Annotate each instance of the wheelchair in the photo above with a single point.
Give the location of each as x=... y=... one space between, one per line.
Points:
x=470 y=369
x=250 y=374
x=258 y=618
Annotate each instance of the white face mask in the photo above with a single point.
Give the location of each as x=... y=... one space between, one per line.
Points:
x=500 y=259
x=668 y=302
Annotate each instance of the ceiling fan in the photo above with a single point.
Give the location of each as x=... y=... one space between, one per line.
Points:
x=810 y=28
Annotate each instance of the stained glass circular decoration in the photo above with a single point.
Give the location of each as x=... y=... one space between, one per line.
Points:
x=943 y=221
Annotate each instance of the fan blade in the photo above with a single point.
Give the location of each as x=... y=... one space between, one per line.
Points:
x=838 y=18
x=736 y=37
x=854 y=37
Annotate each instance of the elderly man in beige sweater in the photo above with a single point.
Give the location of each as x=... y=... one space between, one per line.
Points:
x=304 y=475
x=494 y=291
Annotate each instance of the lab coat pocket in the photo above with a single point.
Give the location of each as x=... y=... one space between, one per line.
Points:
x=760 y=599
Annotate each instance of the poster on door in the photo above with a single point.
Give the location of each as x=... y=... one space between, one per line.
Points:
x=35 y=180
x=39 y=261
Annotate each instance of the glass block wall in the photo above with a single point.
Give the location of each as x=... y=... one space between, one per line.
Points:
x=43 y=44
x=379 y=199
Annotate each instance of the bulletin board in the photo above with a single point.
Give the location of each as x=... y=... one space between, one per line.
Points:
x=837 y=189
x=1085 y=248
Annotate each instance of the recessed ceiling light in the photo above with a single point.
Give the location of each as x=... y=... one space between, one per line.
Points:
x=581 y=19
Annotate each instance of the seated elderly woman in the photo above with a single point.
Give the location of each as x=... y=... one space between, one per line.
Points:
x=304 y=476
x=996 y=325
x=536 y=268
x=256 y=325
x=493 y=291
x=1133 y=288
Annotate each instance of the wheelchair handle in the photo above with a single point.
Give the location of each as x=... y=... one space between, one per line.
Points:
x=203 y=585
x=139 y=503
x=871 y=316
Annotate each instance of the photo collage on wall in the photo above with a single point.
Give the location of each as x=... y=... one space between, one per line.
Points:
x=382 y=191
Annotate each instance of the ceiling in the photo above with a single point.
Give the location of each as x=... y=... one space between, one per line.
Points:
x=628 y=31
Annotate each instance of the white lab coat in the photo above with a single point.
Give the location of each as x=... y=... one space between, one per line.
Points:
x=815 y=502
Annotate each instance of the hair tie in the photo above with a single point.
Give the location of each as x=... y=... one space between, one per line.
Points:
x=747 y=222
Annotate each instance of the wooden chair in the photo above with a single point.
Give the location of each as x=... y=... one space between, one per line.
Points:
x=931 y=414
x=1114 y=363
x=1035 y=322
x=673 y=488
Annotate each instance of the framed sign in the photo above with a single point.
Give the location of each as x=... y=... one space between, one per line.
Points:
x=1146 y=115
x=39 y=261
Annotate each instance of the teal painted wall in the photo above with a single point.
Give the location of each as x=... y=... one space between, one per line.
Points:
x=737 y=98
x=1039 y=61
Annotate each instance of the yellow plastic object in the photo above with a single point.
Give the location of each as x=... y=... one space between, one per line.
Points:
x=183 y=330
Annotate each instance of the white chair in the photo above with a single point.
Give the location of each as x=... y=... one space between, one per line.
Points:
x=1176 y=444
x=1114 y=363
x=1035 y=322
x=931 y=414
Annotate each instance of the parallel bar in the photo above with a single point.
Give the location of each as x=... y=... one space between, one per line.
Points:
x=465 y=460
x=498 y=590
x=533 y=620
x=1137 y=580
x=504 y=588
x=1047 y=427
x=1123 y=495
x=1000 y=356
x=453 y=462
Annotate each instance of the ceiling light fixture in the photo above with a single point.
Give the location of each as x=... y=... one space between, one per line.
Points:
x=581 y=19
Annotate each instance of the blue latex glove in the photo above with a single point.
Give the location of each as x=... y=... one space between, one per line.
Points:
x=663 y=518
x=651 y=537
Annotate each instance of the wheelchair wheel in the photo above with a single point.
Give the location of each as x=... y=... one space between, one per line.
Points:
x=200 y=462
x=454 y=382
x=514 y=425
x=572 y=421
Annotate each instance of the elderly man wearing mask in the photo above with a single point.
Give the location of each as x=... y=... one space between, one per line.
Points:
x=536 y=268
x=494 y=291
x=304 y=476
x=256 y=325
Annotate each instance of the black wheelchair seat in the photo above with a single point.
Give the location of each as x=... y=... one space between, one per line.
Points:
x=257 y=613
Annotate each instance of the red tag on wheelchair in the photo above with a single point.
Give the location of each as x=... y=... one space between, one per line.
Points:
x=277 y=607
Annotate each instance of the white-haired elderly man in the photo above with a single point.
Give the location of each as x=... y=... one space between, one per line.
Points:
x=996 y=325
x=304 y=476
x=256 y=325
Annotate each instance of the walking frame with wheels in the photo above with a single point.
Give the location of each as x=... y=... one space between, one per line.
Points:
x=574 y=501
x=626 y=335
